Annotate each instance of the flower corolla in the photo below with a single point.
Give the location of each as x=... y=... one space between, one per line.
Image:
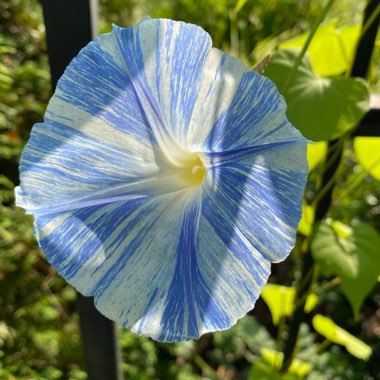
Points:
x=164 y=180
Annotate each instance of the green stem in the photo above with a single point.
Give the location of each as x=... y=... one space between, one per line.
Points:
x=352 y=185
x=323 y=346
x=280 y=330
x=234 y=33
x=302 y=53
x=328 y=285
x=207 y=369
x=314 y=273
x=370 y=21
x=337 y=152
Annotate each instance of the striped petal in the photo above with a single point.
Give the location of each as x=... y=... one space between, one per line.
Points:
x=239 y=109
x=172 y=281
x=248 y=217
x=124 y=255
x=216 y=281
x=166 y=60
x=94 y=142
x=219 y=85
x=258 y=193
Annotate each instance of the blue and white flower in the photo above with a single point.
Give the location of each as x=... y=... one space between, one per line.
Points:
x=164 y=180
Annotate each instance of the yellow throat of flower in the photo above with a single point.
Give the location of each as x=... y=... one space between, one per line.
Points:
x=192 y=170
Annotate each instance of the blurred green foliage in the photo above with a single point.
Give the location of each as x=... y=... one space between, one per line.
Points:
x=39 y=333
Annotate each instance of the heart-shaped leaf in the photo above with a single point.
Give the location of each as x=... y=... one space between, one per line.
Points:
x=330 y=50
x=306 y=223
x=327 y=328
x=316 y=153
x=262 y=370
x=321 y=108
x=350 y=253
x=280 y=301
x=275 y=358
x=367 y=150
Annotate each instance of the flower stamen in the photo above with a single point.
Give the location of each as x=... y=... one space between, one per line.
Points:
x=193 y=171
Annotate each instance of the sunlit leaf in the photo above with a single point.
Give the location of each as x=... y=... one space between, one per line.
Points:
x=6 y=79
x=352 y=254
x=321 y=108
x=326 y=327
x=262 y=370
x=276 y=358
x=330 y=50
x=367 y=150
x=7 y=49
x=264 y=47
x=269 y=44
x=239 y=5
x=341 y=229
x=280 y=301
x=306 y=223
x=349 y=36
x=316 y=153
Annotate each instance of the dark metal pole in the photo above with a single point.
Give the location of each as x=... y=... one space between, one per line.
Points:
x=367 y=42
x=371 y=122
x=99 y=336
x=370 y=125
x=71 y=25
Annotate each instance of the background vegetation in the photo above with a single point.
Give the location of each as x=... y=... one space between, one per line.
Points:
x=39 y=334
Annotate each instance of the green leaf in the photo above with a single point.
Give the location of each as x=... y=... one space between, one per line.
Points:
x=352 y=254
x=316 y=153
x=7 y=49
x=367 y=150
x=326 y=327
x=275 y=358
x=262 y=370
x=239 y=5
x=6 y=79
x=341 y=229
x=306 y=223
x=331 y=49
x=280 y=301
x=321 y=108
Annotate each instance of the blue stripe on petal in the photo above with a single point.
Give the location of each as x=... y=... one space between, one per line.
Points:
x=260 y=194
x=233 y=274
x=165 y=59
x=75 y=241
x=95 y=137
x=217 y=279
x=255 y=116
x=180 y=318
x=122 y=253
x=220 y=81
x=62 y=164
x=96 y=83
x=138 y=291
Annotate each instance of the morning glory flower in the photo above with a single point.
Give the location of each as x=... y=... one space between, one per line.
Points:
x=164 y=180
